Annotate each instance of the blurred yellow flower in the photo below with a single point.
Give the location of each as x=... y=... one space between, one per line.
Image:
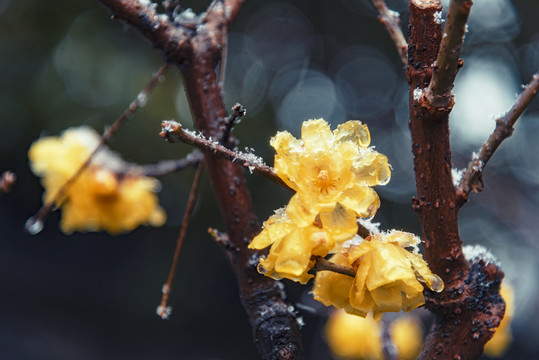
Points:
x=501 y=340
x=101 y=198
x=292 y=246
x=407 y=335
x=355 y=338
x=352 y=337
x=387 y=276
x=326 y=169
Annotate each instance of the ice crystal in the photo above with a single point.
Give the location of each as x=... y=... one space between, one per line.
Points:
x=438 y=17
x=479 y=252
x=457 y=175
x=417 y=94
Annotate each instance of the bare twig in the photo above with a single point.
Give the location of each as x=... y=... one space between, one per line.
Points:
x=164 y=167
x=391 y=20
x=447 y=63
x=174 y=133
x=35 y=224
x=238 y=111
x=322 y=264
x=7 y=180
x=472 y=178
x=163 y=310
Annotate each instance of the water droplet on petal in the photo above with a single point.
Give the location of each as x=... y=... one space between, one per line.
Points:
x=435 y=283
x=33 y=225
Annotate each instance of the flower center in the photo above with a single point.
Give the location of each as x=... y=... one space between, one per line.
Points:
x=323 y=181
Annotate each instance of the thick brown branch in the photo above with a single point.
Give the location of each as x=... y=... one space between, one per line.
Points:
x=470 y=307
x=390 y=19
x=195 y=48
x=173 y=132
x=472 y=178
x=436 y=196
x=169 y=36
x=439 y=92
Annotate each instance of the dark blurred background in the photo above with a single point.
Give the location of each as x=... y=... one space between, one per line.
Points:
x=93 y=296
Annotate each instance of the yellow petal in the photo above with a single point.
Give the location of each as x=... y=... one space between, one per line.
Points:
x=353 y=131
x=316 y=136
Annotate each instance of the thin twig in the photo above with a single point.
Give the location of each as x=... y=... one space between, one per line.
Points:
x=7 y=180
x=163 y=310
x=238 y=111
x=322 y=264
x=164 y=167
x=174 y=133
x=472 y=178
x=35 y=224
x=447 y=63
x=391 y=20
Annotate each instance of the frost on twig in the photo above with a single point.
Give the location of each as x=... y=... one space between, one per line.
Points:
x=174 y=133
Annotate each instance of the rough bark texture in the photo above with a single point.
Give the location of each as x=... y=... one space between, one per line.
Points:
x=196 y=49
x=470 y=307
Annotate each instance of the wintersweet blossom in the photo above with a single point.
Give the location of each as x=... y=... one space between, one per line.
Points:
x=293 y=245
x=356 y=338
x=388 y=277
x=101 y=198
x=501 y=340
x=328 y=168
x=406 y=334
x=352 y=337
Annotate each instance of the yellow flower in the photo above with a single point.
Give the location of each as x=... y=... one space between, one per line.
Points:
x=292 y=245
x=387 y=277
x=101 y=198
x=353 y=337
x=326 y=169
x=407 y=336
x=501 y=340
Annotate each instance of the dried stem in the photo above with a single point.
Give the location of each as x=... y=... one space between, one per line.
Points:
x=472 y=180
x=322 y=264
x=439 y=92
x=35 y=224
x=164 y=167
x=390 y=19
x=173 y=132
x=163 y=310
x=7 y=180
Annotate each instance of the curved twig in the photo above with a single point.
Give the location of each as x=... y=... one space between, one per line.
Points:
x=472 y=178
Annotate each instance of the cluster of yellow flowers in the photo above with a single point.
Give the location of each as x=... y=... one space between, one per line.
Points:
x=101 y=198
x=332 y=174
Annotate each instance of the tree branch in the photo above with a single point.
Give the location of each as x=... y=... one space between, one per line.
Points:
x=196 y=49
x=391 y=20
x=439 y=92
x=470 y=307
x=472 y=180
x=174 y=133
